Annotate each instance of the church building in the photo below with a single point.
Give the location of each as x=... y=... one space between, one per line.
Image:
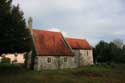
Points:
x=51 y=50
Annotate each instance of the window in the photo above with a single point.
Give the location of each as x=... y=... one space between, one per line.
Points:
x=65 y=59
x=87 y=53
x=49 y=60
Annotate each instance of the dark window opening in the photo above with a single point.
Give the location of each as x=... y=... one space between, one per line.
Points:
x=87 y=53
x=49 y=60
x=65 y=59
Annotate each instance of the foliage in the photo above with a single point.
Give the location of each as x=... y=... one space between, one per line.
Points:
x=118 y=43
x=8 y=69
x=5 y=60
x=108 y=53
x=14 y=35
x=101 y=52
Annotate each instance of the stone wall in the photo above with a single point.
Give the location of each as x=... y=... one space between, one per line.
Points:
x=41 y=63
x=56 y=62
x=83 y=57
x=77 y=57
x=67 y=62
x=86 y=57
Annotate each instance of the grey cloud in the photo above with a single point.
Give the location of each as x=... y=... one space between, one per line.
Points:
x=91 y=19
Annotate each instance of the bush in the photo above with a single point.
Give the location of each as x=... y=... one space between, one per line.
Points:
x=5 y=60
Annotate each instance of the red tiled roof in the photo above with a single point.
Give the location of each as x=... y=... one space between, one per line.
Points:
x=50 y=43
x=78 y=43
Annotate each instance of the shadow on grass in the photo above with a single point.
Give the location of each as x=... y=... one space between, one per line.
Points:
x=87 y=74
x=11 y=69
x=101 y=73
x=93 y=70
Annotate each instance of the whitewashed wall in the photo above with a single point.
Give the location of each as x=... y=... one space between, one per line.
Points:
x=19 y=58
x=0 y=58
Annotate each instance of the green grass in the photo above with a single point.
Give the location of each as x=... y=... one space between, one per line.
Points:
x=89 y=74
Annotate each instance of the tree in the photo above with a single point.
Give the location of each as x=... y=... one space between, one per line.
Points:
x=118 y=43
x=102 y=52
x=121 y=57
x=15 y=36
x=4 y=21
x=109 y=52
x=115 y=51
x=124 y=48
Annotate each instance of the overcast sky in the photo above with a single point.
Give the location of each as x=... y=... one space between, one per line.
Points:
x=93 y=20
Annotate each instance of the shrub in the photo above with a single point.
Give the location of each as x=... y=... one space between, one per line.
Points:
x=5 y=60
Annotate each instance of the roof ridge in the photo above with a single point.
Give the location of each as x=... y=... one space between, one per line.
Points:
x=75 y=38
x=46 y=30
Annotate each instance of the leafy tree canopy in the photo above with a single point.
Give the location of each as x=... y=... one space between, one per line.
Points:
x=109 y=52
x=14 y=36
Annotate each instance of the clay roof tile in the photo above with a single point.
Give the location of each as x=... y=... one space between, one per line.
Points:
x=78 y=43
x=48 y=43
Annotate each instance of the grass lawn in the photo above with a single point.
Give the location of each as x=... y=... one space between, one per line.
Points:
x=89 y=74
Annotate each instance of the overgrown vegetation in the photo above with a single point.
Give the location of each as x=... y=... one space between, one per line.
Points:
x=5 y=60
x=112 y=52
x=90 y=74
